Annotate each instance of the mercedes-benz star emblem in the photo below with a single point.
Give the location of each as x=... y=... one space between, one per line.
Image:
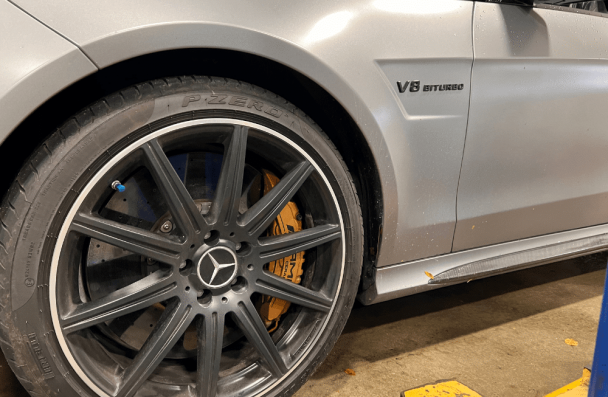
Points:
x=217 y=267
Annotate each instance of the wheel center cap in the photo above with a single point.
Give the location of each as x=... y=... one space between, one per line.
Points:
x=217 y=267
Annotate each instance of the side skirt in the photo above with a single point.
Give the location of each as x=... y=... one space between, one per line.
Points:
x=409 y=278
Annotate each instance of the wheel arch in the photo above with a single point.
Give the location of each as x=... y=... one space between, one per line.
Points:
x=302 y=91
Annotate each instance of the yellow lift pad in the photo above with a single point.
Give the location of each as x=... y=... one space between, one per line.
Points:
x=450 y=388
x=578 y=388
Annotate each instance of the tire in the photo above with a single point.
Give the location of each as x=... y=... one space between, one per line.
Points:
x=60 y=339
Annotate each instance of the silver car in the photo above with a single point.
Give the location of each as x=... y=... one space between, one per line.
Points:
x=196 y=192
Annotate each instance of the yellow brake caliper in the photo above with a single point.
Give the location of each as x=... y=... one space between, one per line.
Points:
x=290 y=268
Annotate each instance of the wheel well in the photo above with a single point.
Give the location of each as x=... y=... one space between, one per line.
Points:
x=273 y=76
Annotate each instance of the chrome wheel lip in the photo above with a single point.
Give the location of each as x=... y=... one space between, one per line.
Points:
x=107 y=167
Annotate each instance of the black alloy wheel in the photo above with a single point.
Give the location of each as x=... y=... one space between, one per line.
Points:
x=154 y=262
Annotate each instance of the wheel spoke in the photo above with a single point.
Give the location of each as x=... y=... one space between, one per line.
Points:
x=144 y=293
x=224 y=209
x=121 y=324
x=262 y=213
x=127 y=237
x=181 y=204
x=171 y=326
x=210 y=339
x=269 y=284
x=281 y=246
x=252 y=326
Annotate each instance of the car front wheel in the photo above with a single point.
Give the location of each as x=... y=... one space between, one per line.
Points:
x=189 y=236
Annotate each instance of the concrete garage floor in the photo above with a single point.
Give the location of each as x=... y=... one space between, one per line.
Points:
x=502 y=336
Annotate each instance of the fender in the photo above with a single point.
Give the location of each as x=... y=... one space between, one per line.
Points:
x=36 y=64
x=311 y=40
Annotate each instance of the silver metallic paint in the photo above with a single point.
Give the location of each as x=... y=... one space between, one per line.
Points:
x=535 y=156
x=435 y=123
x=336 y=44
x=35 y=64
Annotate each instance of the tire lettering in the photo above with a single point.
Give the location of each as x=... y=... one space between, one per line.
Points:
x=256 y=104
x=238 y=101
x=273 y=112
x=36 y=350
x=218 y=99
x=190 y=98
x=29 y=281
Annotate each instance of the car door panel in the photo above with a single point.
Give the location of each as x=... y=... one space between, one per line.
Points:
x=535 y=152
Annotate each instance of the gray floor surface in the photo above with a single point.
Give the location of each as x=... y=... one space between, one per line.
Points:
x=502 y=336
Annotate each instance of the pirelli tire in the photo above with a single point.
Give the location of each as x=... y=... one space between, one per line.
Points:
x=34 y=211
